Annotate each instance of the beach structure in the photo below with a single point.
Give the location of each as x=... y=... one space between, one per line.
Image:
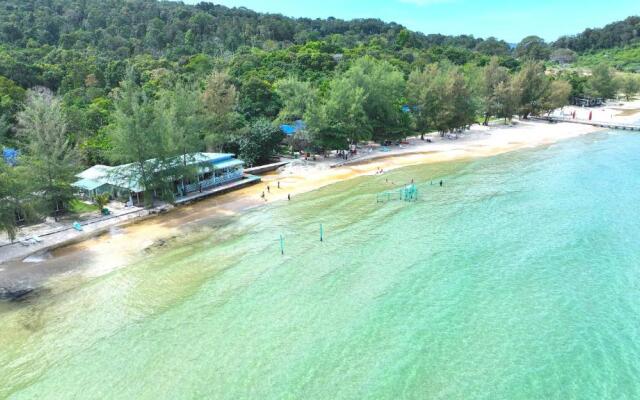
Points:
x=586 y=101
x=297 y=126
x=10 y=156
x=602 y=124
x=406 y=193
x=208 y=170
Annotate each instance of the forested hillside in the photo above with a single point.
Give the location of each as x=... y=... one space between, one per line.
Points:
x=81 y=81
x=81 y=50
x=616 y=34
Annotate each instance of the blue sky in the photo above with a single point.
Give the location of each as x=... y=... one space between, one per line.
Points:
x=510 y=20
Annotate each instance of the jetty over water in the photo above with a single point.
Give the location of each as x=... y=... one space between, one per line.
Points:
x=601 y=124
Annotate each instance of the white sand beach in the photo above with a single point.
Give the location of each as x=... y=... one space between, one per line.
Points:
x=112 y=251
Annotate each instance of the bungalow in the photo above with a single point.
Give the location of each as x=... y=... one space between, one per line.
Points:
x=123 y=181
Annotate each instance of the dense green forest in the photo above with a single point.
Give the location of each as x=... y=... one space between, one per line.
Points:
x=616 y=34
x=118 y=81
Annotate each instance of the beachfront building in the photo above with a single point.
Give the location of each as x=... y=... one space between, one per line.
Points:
x=586 y=101
x=123 y=181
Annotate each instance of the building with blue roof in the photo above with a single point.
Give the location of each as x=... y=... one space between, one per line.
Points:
x=10 y=156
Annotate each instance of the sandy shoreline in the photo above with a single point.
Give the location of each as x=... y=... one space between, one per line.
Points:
x=122 y=245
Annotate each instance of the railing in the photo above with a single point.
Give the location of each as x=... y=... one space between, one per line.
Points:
x=215 y=181
x=604 y=124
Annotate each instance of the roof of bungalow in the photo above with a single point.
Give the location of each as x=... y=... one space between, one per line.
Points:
x=95 y=172
x=88 y=184
x=127 y=175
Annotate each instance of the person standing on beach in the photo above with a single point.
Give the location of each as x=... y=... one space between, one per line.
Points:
x=289 y=196
x=278 y=184
x=441 y=183
x=268 y=189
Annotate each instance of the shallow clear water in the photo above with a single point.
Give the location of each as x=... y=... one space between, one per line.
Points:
x=519 y=279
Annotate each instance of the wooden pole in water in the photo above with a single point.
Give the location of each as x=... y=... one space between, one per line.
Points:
x=321 y=233
x=281 y=244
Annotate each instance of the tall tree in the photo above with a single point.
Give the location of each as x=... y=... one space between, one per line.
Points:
x=257 y=98
x=341 y=118
x=533 y=48
x=559 y=93
x=139 y=137
x=630 y=85
x=16 y=198
x=419 y=97
x=11 y=97
x=442 y=97
x=180 y=111
x=296 y=96
x=493 y=47
x=5 y=129
x=383 y=88
x=220 y=99
x=601 y=83
x=51 y=158
x=464 y=104
x=259 y=142
x=493 y=76
x=507 y=97
x=533 y=87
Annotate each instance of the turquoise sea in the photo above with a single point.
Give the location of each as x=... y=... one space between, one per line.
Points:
x=518 y=279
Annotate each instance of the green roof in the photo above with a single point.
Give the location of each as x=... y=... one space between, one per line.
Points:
x=127 y=176
x=88 y=184
x=227 y=164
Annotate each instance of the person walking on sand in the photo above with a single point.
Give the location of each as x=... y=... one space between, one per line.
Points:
x=262 y=195
x=268 y=189
x=441 y=183
x=278 y=184
x=289 y=196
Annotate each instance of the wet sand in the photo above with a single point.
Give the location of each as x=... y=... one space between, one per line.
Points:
x=122 y=245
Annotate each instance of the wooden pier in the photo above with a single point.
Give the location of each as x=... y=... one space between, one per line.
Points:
x=266 y=168
x=601 y=124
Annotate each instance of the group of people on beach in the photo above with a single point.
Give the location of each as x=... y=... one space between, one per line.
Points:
x=379 y=171
x=264 y=197
x=413 y=182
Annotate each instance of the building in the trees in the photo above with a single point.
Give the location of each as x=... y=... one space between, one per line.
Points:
x=203 y=171
x=586 y=101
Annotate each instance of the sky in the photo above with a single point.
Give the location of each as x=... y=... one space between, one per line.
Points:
x=510 y=20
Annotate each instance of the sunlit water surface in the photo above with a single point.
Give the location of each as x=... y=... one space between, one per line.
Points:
x=519 y=279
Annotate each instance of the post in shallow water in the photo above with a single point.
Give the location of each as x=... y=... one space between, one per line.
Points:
x=281 y=244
